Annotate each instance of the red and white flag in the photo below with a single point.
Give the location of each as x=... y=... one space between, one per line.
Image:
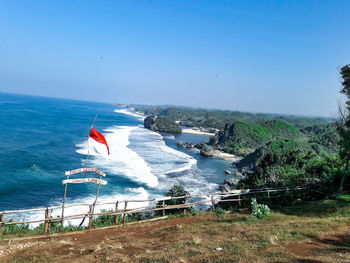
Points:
x=98 y=143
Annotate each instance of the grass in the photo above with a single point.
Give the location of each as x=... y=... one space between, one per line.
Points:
x=243 y=239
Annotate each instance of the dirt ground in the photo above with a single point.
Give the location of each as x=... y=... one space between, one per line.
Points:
x=331 y=246
x=188 y=239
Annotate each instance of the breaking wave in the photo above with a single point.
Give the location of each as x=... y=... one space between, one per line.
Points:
x=122 y=160
x=130 y=113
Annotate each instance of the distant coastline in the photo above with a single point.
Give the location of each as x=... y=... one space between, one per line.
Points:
x=185 y=129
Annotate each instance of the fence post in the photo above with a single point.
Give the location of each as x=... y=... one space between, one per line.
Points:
x=239 y=201
x=163 y=207
x=2 y=222
x=124 y=213
x=90 y=217
x=185 y=204
x=212 y=203
x=268 y=194
x=116 y=210
x=47 y=221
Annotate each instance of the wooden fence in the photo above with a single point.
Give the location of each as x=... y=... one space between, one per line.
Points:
x=160 y=205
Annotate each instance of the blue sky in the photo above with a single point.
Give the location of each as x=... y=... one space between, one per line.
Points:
x=257 y=56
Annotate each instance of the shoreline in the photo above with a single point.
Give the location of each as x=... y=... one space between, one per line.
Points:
x=131 y=112
x=223 y=155
x=195 y=131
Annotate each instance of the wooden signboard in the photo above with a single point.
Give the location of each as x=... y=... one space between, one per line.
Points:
x=83 y=170
x=95 y=135
x=84 y=180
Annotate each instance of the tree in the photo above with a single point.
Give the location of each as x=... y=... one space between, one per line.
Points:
x=175 y=191
x=344 y=127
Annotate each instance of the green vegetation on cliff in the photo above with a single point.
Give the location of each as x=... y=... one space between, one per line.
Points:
x=249 y=136
x=311 y=158
x=207 y=118
x=162 y=124
x=290 y=163
x=322 y=138
x=242 y=138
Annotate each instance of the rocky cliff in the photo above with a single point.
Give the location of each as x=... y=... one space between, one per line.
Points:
x=162 y=124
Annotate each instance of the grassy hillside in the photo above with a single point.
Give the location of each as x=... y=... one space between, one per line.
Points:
x=243 y=137
x=250 y=136
x=308 y=232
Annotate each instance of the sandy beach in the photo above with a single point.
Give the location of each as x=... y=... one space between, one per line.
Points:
x=220 y=154
x=195 y=131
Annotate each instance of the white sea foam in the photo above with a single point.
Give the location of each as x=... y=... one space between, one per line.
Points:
x=191 y=163
x=169 y=136
x=159 y=146
x=162 y=158
x=130 y=113
x=122 y=160
x=170 y=165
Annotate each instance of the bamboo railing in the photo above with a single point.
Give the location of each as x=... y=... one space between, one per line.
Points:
x=213 y=198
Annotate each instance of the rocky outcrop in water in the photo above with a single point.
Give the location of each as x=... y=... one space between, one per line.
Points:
x=180 y=144
x=149 y=122
x=229 y=185
x=190 y=145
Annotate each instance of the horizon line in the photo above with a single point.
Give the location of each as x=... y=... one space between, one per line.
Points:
x=170 y=105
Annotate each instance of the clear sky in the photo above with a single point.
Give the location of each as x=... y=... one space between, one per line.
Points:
x=257 y=56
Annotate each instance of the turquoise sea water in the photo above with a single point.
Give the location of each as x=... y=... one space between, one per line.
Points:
x=44 y=137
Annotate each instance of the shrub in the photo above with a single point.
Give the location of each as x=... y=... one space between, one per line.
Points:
x=104 y=220
x=259 y=210
x=15 y=228
x=219 y=211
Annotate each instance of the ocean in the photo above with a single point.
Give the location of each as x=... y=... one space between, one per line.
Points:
x=44 y=137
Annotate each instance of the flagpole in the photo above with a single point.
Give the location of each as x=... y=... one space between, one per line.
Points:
x=93 y=205
x=87 y=157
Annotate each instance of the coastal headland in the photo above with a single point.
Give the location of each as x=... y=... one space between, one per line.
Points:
x=249 y=138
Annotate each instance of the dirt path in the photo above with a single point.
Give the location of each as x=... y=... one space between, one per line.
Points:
x=331 y=248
